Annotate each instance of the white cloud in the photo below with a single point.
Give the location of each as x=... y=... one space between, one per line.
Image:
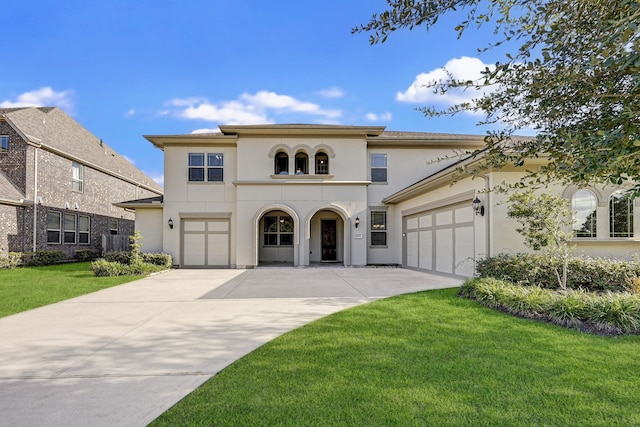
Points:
x=332 y=92
x=384 y=117
x=463 y=68
x=130 y=113
x=43 y=97
x=158 y=177
x=247 y=109
x=205 y=130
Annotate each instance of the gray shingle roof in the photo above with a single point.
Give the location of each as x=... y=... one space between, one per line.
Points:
x=54 y=129
x=8 y=192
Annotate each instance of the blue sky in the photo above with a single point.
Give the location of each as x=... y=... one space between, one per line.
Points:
x=124 y=69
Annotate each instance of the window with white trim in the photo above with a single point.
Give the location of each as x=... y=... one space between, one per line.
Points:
x=70 y=223
x=584 y=204
x=84 y=229
x=53 y=227
x=215 y=167
x=378 y=228
x=77 y=177
x=379 y=167
x=113 y=227
x=4 y=143
x=620 y=215
x=196 y=167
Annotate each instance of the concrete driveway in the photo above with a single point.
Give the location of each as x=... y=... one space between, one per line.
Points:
x=124 y=355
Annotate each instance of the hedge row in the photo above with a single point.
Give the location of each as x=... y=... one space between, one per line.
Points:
x=128 y=264
x=45 y=257
x=594 y=274
x=608 y=313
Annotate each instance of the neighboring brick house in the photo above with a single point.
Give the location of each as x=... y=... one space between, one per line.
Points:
x=53 y=169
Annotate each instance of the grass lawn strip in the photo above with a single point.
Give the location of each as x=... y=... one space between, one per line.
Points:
x=26 y=288
x=424 y=359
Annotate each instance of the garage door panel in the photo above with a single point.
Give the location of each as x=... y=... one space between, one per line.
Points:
x=412 y=249
x=464 y=251
x=194 y=249
x=218 y=249
x=426 y=250
x=444 y=251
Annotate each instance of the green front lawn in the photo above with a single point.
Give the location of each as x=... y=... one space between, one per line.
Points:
x=25 y=288
x=424 y=359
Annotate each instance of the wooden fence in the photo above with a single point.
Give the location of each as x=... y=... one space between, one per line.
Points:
x=115 y=243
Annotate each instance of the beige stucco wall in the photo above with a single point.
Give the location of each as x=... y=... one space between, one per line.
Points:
x=150 y=224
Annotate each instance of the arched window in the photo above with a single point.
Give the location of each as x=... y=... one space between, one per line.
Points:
x=302 y=164
x=584 y=204
x=322 y=164
x=281 y=164
x=620 y=215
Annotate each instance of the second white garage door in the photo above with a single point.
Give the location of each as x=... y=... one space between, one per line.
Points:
x=440 y=240
x=205 y=243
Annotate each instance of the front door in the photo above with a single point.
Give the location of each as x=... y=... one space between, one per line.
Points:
x=329 y=240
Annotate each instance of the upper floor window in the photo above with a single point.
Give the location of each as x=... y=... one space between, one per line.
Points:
x=215 y=167
x=379 y=167
x=302 y=164
x=281 y=164
x=77 y=177
x=378 y=228
x=4 y=143
x=620 y=215
x=196 y=167
x=584 y=204
x=53 y=227
x=322 y=164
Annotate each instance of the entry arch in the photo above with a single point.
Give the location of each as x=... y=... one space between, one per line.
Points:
x=346 y=233
x=275 y=207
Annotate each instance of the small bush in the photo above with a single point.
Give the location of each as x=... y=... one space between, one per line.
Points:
x=160 y=259
x=11 y=260
x=39 y=258
x=608 y=313
x=104 y=268
x=595 y=274
x=86 y=254
x=120 y=257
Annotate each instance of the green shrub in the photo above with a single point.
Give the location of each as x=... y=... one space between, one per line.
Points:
x=46 y=257
x=104 y=268
x=121 y=257
x=160 y=259
x=86 y=254
x=604 y=313
x=595 y=274
x=11 y=260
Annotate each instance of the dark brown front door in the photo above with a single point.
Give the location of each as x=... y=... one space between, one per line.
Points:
x=329 y=240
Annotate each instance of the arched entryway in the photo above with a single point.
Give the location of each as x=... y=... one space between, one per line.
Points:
x=327 y=233
x=277 y=238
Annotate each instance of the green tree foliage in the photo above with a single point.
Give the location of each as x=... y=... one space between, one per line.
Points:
x=573 y=76
x=545 y=222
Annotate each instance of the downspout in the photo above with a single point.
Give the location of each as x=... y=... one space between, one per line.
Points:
x=35 y=200
x=487 y=220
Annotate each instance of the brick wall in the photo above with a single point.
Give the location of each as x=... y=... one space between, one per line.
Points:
x=12 y=162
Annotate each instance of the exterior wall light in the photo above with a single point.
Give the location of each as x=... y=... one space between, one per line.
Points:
x=477 y=206
x=170 y=223
x=357 y=222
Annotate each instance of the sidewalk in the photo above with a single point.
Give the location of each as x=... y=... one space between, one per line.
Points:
x=124 y=355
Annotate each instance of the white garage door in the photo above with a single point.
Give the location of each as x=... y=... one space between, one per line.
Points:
x=440 y=240
x=205 y=243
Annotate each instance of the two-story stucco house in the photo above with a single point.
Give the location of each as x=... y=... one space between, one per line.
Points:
x=59 y=183
x=352 y=195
